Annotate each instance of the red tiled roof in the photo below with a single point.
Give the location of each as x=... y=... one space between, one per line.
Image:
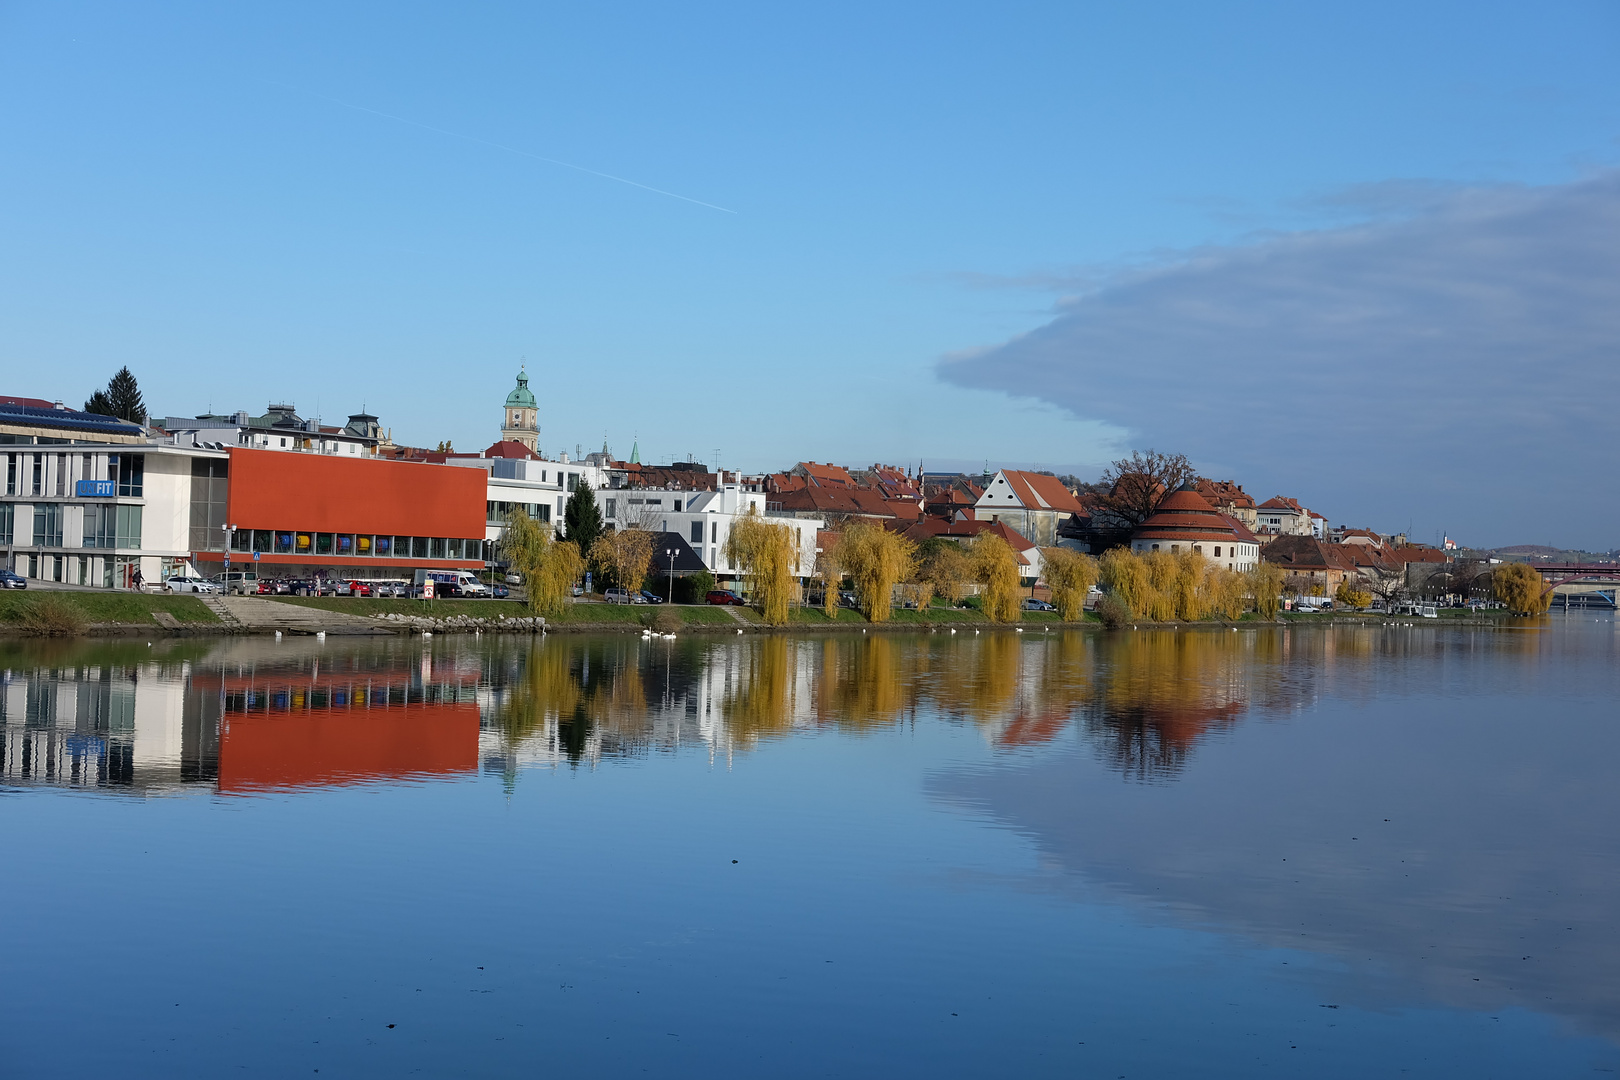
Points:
x=1308 y=553
x=826 y=475
x=1037 y=491
x=1220 y=492
x=1186 y=515
x=1282 y=502
x=510 y=448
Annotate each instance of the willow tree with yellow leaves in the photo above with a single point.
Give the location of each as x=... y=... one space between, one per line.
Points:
x=831 y=576
x=1070 y=575
x=549 y=567
x=876 y=560
x=1521 y=589
x=995 y=565
x=1163 y=571
x=1265 y=586
x=1124 y=573
x=767 y=552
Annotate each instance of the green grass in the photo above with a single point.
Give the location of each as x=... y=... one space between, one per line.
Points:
x=24 y=608
x=573 y=614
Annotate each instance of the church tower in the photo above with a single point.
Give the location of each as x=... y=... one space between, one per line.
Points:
x=522 y=423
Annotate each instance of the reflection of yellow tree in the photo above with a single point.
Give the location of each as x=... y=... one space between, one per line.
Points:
x=761 y=702
x=862 y=685
x=1162 y=691
x=544 y=690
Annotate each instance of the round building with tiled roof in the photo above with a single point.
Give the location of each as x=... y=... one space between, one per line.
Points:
x=1185 y=521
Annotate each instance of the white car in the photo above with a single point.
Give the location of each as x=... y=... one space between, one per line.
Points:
x=183 y=584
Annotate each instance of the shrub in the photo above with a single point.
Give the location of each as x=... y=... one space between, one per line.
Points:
x=1113 y=612
x=52 y=616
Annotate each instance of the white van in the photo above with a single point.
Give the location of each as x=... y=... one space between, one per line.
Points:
x=448 y=583
x=239 y=582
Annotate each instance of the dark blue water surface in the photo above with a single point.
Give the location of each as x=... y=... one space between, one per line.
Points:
x=1324 y=852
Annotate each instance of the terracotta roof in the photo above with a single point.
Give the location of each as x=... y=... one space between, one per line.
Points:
x=1220 y=492
x=825 y=475
x=930 y=527
x=1308 y=553
x=1282 y=502
x=510 y=448
x=1037 y=491
x=1187 y=516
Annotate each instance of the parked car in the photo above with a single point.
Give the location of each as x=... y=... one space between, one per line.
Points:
x=848 y=599
x=353 y=588
x=10 y=579
x=650 y=598
x=1033 y=604
x=623 y=596
x=500 y=592
x=391 y=588
x=725 y=596
x=301 y=586
x=179 y=583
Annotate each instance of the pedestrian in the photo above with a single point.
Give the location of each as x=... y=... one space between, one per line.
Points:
x=135 y=579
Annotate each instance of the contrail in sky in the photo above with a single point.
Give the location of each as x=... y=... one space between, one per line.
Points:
x=508 y=149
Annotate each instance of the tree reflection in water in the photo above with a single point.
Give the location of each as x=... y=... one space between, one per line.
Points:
x=1143 y=699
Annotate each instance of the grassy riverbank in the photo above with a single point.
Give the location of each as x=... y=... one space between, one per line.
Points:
x=59 y=613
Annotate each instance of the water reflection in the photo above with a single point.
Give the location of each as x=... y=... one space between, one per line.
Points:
x=250 y=715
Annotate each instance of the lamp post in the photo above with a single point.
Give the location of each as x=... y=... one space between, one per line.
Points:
x=230 y=535
x=670 y=553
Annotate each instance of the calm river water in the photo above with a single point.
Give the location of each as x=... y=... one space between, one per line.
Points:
x=1323 y=852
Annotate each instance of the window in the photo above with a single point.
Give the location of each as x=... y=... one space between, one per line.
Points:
x=1217 y=551
x=61 y=475
x=47 y=525
x=129 y=526
x=8 y=514
x=11 y=474
x=1155 y=547
x=419 y=547
x=284 y=543
x=261 y=539
x=345 y=544
x=303 y=542
x=100 y=525
x=385 y=544
x=362 y=545
x=242 y=540
x=697 y=532
x=39 y=475
x=323 y=543
x=714 y=532
x=677 y=506
x=436 y=548
x=612 y=508
x=129 y=471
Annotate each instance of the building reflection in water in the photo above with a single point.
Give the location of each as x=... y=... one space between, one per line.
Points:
x=248 y=714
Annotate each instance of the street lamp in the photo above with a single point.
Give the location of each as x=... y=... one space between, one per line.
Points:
x=230 y=534
x=670 y=553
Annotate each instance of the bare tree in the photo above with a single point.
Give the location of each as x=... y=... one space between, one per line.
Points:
x=1138 y=484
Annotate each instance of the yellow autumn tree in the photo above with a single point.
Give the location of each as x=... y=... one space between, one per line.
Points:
x=995 y=565
x=831 y=575
x=947 y=567
x=1163 y=570
x=1070 y=575
x=523 y=545
x=552 y=582
x=626 y=554
x=1225 y=593
x=876 y=560
x=1124 y=573
x=1520 y=588
x=767 y=552
x=1189 y=590
x=1265 y=586
x=1347 y=596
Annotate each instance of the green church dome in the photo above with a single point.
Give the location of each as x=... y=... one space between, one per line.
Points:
x=521 y=397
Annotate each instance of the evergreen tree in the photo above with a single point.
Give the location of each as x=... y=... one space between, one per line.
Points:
x=582 y=519
x=122 y=399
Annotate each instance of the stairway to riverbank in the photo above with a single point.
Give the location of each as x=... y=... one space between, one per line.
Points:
x=252 y=613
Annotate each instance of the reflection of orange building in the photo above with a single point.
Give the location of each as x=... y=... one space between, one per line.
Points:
x=346 y=746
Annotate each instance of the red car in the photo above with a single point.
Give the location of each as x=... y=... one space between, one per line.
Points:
x=725 y=596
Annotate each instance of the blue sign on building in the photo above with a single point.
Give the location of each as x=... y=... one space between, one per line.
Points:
x=94 y=489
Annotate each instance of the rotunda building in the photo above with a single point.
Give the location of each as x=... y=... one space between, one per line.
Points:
x=1185 y=521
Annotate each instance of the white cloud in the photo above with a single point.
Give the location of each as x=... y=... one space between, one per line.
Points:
x=1457 y=366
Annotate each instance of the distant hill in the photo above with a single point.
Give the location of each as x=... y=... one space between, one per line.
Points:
x=1527 y=550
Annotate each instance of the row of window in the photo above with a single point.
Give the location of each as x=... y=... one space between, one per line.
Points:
x=365 y=545
x=497 y=512
x=105 y=525
x=49 y=475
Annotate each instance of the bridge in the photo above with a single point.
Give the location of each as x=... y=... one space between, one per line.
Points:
x=1580 y=585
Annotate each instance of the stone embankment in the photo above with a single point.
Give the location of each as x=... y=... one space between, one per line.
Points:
x=460 y=624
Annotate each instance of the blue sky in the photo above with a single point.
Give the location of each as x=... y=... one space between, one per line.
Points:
x=1028 y=234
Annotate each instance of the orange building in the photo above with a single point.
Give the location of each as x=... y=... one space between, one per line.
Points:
x=305 y=514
